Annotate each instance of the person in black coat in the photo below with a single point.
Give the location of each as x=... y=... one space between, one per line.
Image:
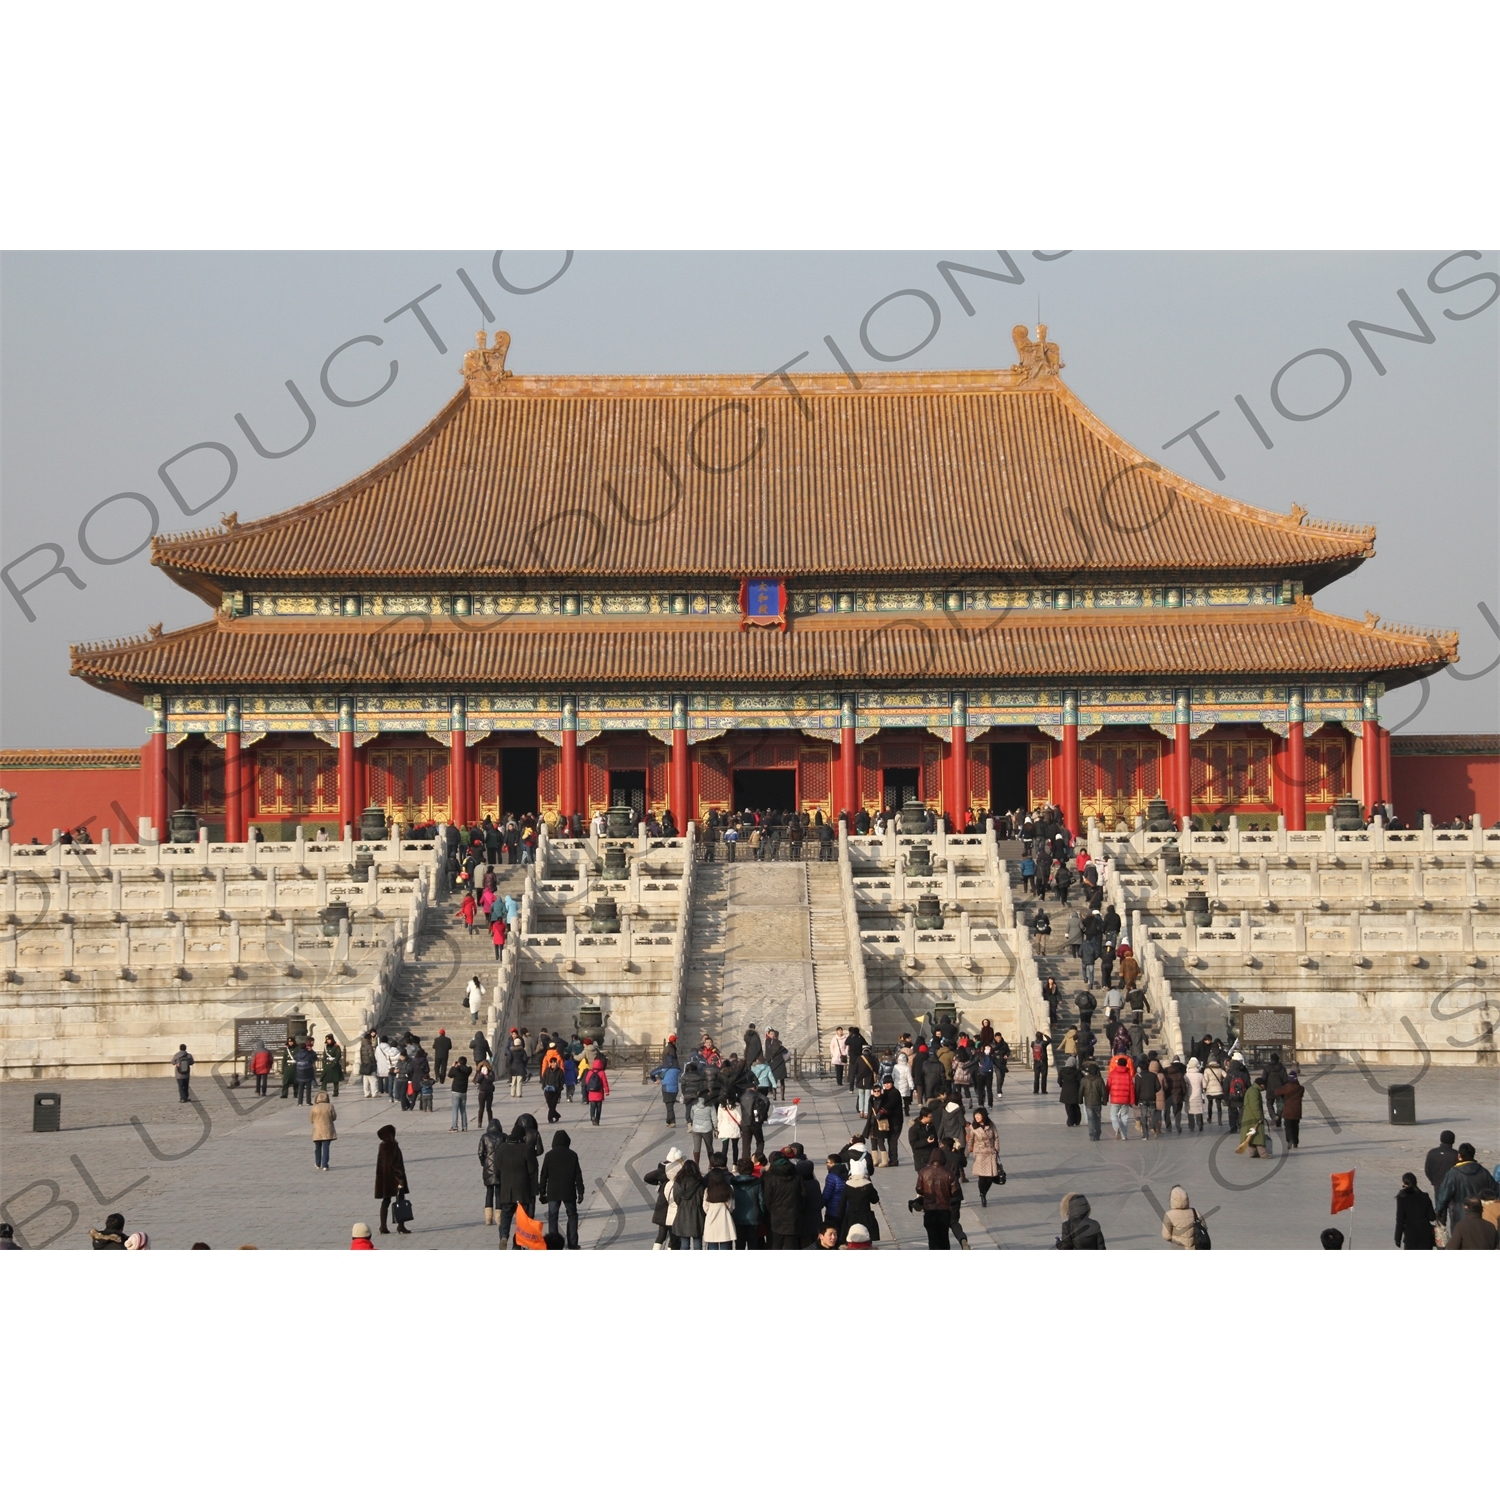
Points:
x=442 y=1045
x=854 y=1044
x=517 y=1180
x=1415 y=1216
x=776 y=1061
x=390 y=1176
x=752 y=1046
x=1440 y=1160
x=489 y=1166
x=810 y=1208
x=479 y=1049
x=1069 y=1087
x=782 y=1190
x=561 y=1185
x=922 y=1139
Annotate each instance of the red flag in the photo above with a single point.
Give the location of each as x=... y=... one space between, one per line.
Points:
x=1343 y=1191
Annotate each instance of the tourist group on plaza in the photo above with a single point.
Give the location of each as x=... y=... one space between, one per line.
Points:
x=931 y=1092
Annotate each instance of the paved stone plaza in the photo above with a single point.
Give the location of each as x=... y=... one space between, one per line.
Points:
x=231 y=1170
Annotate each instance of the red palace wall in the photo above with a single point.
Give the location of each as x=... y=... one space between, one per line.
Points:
x=1448 y=776
x=65 y=788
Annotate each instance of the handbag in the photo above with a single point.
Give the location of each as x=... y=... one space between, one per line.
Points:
x=1201 y=1237
x=402 y=1211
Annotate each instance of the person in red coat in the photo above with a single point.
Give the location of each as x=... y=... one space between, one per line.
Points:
x=596 y=1089
x=260 y=1066
x=1121 y=1080
x=361 y=1239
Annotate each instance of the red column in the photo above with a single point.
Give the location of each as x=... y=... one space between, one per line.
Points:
x=1069 y=778
x=1370 y=764
x=458 y=777
x=1295 y=779
x=159 y=783
x=1182 y=772
x=682 y=781
x=848 y=775
x=960 y=776
x=234 y=788
x=348 y=790
x=361 y=782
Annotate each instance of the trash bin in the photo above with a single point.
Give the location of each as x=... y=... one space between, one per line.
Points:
x=1403 y=1103
x=46 y=1112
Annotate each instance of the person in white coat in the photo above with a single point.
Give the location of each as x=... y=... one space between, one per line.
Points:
x=474 y=996
x=901 y=1076
x=727 y=1129
x=1197 y=1097
x=838 y=1055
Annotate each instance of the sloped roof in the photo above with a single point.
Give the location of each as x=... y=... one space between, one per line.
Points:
x=550 y=477
x=1158 y=645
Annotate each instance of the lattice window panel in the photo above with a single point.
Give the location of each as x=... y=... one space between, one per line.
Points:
x=657 y=781
x=713 y=779
x=627 y=756
x=815 y=783
x=549 y=780
x=979 y=780
x=1326 y=770
x=596 y=776
x=869 y=779
x=203 y=779
x=489 y=783
x=411 y=785
x=1039 y=775
x=1125 y=774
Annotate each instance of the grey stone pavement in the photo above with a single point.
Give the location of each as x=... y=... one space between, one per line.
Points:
x=230 y=1170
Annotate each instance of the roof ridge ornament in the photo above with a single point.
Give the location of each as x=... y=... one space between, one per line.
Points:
x=1299 y=514
x=484 y=368
x=1039 y=360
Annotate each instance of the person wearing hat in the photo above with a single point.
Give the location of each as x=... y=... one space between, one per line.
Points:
x=1466 y=1179
x=1332 y=1239
x=8 y=1238
x=859 y=1238
x=661 y=1178
x=361 y=1238
x=322 y=1115
x=390 y=1176
x=140 y=1240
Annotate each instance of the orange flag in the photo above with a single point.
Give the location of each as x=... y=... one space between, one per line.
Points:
x=1343 y=1191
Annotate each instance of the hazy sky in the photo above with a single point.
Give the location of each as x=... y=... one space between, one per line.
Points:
x=111 y=364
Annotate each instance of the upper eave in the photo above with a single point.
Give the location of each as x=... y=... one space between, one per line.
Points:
x=547 y=477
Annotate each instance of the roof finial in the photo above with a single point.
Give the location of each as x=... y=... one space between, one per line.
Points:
x=1039 y=359
x=484 y=369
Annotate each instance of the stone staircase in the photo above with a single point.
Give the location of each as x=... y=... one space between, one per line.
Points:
x=702 y=1006
x=430 y=992
x=833 y=983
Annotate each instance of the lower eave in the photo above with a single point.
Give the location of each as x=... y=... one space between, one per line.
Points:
x=1260 y=645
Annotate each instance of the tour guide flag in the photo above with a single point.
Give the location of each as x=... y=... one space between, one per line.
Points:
x=1343 y=1191
x=783 y=1114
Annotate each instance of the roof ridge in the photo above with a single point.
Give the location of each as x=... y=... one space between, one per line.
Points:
x=346 y=491
x=1297 y=519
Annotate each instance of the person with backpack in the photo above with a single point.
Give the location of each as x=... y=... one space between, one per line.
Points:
x=1270 y=1080
x=1195 y=1095
x=1236 y=1086
x=182 y=1070
x=1041 y=930
x=1289 y=1101
x=1039 y=1046
x=1148 y=1085
x=1180 y=1225
x=596 y=1090
x=1174 y=1094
